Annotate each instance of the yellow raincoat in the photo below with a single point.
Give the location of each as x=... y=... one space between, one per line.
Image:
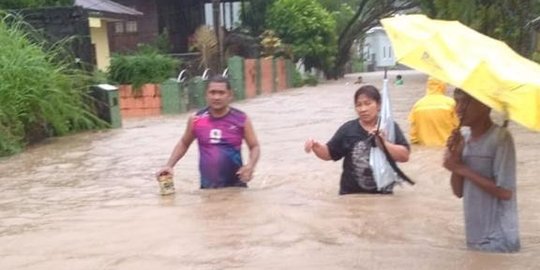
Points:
x=433 y=117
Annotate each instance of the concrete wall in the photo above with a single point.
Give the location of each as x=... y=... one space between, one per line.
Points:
x=100 y=41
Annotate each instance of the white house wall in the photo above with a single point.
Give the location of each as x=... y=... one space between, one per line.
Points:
x=377 y=47
x=225 y=20
x=385 y=55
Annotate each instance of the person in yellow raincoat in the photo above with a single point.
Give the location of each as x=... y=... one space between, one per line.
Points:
x=433 y=118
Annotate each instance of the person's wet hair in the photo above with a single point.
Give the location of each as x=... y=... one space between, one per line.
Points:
x=369 y=91
x=459 y=93
x=220 y=79
x=462 y=94
x=466 y=97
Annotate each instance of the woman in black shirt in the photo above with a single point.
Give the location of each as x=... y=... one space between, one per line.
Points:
x=351 y=141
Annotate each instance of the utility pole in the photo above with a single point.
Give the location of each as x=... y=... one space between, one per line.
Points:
x=216 y=9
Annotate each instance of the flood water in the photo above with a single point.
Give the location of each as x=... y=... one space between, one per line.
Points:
x=89 y=201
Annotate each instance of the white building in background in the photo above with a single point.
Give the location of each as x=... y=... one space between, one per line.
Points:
x=230 y=14
x=377 y=50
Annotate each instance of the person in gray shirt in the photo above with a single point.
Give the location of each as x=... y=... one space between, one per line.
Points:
x=483 y=166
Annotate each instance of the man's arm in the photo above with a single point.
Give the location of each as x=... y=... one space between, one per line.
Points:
x=456 y=181
x=454 y=150
x=180 y=149
x=486 y=184
x=459 y=170
x=252 y=143
x=246 y=171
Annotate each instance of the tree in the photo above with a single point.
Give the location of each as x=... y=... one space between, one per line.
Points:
x=366 y=16
x=19 y=4
x=501 y=19
x=341 y=10
x=308 y=27
x=255 y=15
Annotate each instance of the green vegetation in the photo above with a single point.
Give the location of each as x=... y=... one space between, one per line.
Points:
x=308 y=27
x=321 y=32
x=255 y=15
x=297 y=79
x=40 y=95
x=18 y=4
x=145 y=66
x=357 y=65
x=341 y=10
x=501 y=19
x=366 y=15
x=311 y=80
x=536 y=57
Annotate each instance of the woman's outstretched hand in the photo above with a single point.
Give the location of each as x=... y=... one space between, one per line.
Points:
x=310 y=144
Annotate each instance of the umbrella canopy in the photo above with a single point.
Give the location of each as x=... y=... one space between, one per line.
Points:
x=486 y=68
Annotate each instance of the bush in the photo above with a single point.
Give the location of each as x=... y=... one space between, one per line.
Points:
x=536 y=57
x=357 y=65
x=39 y=95
x=311 y=80
x=297 y=79
x=145 y=66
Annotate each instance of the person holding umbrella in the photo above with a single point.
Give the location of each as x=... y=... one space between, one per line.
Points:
x=482 y=162
x=483 y=166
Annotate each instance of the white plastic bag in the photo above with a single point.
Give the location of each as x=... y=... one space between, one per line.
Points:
x=383 y=173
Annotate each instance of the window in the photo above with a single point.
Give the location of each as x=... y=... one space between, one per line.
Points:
x=367 y=52
x=131 y=26
x=119 y=27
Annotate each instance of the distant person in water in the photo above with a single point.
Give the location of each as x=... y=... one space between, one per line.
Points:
x=399 y=80
x=352 y=142
x=483 y=166
x=220 y=131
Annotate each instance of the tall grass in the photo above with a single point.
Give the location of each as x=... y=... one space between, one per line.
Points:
x=41 y=94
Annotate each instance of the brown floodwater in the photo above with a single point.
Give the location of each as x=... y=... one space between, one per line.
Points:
x=89 y=201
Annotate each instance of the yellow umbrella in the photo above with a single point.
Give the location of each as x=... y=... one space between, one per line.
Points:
x=485 y=67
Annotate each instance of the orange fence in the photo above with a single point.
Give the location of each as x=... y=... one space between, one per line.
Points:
x=143 y=102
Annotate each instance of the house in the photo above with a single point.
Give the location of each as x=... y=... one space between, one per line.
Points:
x=174 y=20
x=101 y=12
x=230 y=16
x=85 y=24
x=377 y=50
